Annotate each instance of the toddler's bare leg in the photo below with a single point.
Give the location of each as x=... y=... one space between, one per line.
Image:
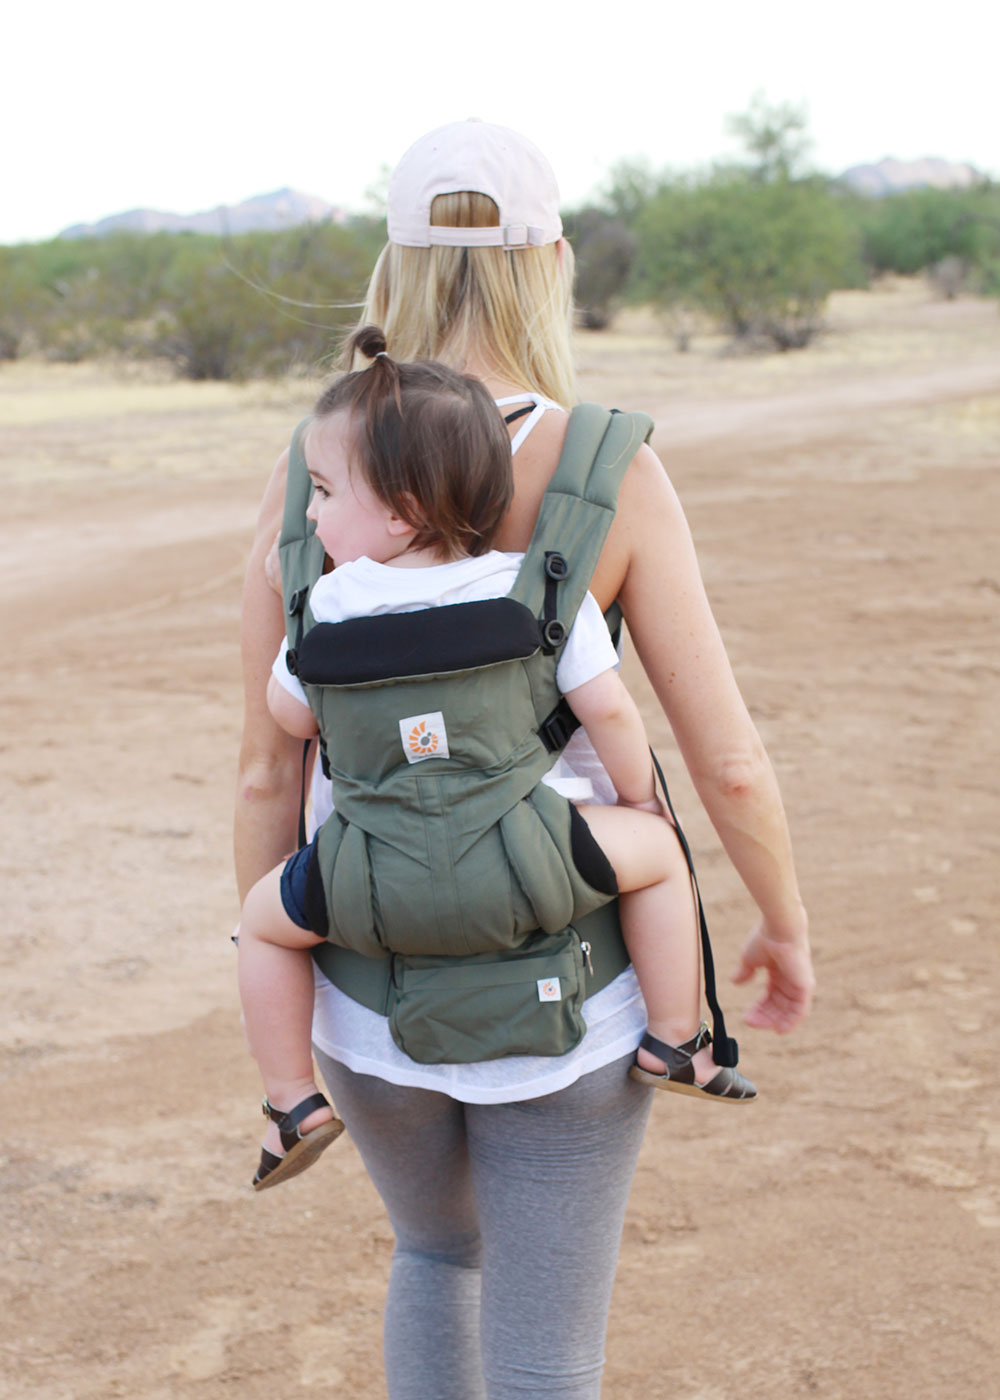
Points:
x=659 y=923
x=276 y=989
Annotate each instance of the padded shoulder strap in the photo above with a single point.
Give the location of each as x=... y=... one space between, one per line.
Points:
x=300 y=552
x=580 y=503
x=573 y=523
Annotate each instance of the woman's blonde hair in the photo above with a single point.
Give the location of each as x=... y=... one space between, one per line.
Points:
x=510 y=311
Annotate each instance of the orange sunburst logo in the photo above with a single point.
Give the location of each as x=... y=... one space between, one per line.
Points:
x=422 y=741
x=424 y=736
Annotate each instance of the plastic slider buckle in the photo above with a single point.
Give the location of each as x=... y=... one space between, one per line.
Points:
x=555 y=565
x=554 y=633
x=555 y=733
x=296 y=601
x=292 y=661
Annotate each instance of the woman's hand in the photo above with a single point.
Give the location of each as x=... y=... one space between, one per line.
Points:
x=787 y=964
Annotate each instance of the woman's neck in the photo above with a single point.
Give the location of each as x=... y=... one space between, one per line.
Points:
x=499 y=386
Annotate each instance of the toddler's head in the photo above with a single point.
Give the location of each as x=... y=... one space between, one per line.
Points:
x=428 y=443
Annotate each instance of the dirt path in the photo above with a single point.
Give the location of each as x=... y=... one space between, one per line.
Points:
x=840 y=1240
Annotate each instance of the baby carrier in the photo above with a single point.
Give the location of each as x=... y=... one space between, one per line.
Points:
x=460 y=895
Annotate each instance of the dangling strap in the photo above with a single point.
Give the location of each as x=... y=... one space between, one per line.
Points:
x=725 y=1051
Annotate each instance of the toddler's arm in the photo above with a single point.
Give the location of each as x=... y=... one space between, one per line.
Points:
x=615 y=728
x=294 y=717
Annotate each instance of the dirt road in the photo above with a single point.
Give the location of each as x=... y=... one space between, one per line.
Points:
x=838 y=1240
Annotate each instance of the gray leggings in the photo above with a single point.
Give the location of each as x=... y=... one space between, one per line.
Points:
x=508 y=1220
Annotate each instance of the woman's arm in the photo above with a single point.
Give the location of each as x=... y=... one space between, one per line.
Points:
x=270 y=763
x=651 y=558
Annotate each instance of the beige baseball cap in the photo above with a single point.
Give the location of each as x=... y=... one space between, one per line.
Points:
x=485 y=159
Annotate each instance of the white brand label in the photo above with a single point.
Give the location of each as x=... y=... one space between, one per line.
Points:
x=424 y=736
x=549 y=989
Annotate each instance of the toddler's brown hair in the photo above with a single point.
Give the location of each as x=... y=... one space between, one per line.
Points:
x=431 y=444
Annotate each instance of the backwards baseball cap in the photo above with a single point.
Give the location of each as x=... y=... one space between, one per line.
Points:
x=485 y=159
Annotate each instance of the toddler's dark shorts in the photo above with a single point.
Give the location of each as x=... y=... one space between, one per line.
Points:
x=293 y=885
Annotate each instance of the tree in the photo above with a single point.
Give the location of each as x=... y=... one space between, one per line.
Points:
x=755 y=244
x=604 y=248
x=774 y=137
x=759 y=256
x=953 y=235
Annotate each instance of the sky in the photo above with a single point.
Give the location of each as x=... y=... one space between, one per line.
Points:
x=109 y=106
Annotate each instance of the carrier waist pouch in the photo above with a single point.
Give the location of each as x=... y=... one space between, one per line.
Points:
x=521 y=1002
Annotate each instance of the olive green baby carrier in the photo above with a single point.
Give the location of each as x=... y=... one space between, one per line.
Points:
x=458 y=894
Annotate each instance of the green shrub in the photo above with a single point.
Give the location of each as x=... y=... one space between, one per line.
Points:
x=759 y=256
x=259 y=304
x=918 y=230
x=604 y=247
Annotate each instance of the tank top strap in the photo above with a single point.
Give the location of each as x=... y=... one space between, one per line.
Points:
x=542 y=405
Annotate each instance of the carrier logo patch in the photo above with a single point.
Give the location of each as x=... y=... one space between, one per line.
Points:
x=549 y=989
x=424 y=736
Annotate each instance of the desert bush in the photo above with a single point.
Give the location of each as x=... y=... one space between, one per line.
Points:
x=917 y=230
x=756 y=244
x=949 y=277
x=604 y=247
x=259 y=304
x=759 y=256
x=263 y=304
x=22 y=301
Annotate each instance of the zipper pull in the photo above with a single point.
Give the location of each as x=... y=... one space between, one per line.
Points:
x=585 y=950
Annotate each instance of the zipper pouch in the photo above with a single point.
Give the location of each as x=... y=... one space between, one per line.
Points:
x=521 y=1002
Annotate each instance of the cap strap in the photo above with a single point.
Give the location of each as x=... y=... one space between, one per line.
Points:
x=509 y=236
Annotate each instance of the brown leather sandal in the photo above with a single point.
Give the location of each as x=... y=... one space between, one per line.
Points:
x=728 y=1084
x=300 y=1150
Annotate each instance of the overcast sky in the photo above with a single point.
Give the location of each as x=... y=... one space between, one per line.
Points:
x=107 y=106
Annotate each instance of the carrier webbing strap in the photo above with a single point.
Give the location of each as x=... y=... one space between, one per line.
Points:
x=724 y=1049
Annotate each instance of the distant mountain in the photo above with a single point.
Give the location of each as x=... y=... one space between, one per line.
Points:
x=889 y=176
x=283 y=209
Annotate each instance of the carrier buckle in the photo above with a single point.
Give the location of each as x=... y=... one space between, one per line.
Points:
x=554 y=633
x=558 y=728
x=555 y=565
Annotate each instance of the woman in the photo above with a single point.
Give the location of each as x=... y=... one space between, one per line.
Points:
x=506 y=1183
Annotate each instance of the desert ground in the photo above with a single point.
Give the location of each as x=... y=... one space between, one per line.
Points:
x=840 y=1238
